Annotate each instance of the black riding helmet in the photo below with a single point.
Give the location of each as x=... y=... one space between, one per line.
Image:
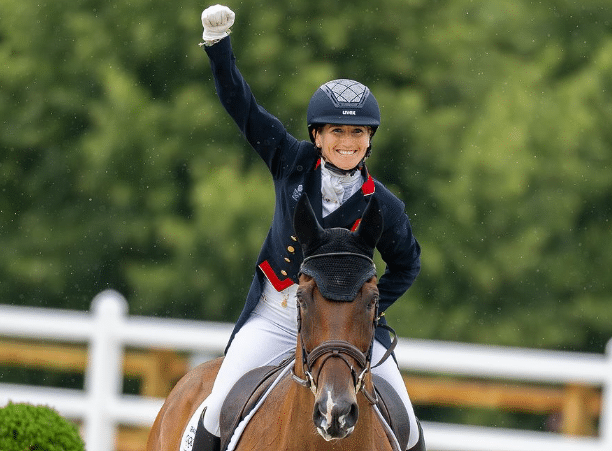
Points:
x=343 y=102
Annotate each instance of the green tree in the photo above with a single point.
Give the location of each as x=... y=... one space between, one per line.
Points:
x=119 y=168
x=516 y=176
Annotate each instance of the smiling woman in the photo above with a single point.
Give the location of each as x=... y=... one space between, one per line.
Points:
x=330 y=169
x=344 y=146
x=348 y=113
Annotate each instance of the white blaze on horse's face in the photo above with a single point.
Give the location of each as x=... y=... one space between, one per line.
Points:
x=328 y=418
x=330 y=405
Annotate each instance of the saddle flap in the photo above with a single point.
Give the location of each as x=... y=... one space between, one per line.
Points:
x=243 y=397
x=392 y=409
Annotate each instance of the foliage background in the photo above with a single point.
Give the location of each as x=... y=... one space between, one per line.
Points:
x=118 y=167
x=25 y=427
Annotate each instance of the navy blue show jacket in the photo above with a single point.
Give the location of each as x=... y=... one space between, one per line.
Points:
x=295 y=168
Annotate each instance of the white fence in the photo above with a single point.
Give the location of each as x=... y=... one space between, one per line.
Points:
x=109 y=330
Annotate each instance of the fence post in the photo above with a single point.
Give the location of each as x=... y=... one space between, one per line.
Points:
x=605 y=426
x=576 y=416
x=104 y=377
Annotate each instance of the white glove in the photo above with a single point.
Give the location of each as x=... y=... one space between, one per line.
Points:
x=217 y=20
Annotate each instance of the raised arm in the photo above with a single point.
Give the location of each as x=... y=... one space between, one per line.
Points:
x=263 y=131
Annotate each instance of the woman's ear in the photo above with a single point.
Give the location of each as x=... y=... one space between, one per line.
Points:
x=315 y=136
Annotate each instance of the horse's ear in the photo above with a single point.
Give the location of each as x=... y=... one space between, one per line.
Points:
x=307 y=228
x=371 y=226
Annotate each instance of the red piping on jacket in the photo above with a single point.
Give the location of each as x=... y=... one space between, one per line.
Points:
x=278 y=284
x=368 y=186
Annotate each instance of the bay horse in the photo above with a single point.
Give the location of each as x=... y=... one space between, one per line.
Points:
x=327 y=401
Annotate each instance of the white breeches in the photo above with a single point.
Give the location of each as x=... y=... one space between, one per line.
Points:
x=268 y=337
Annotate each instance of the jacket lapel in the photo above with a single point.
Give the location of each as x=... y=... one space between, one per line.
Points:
x=352 y=210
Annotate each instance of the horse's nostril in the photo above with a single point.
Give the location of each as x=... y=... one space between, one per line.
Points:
x=353 y=414
x=346 y=417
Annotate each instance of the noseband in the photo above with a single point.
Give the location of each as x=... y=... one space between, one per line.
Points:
x=340 y=349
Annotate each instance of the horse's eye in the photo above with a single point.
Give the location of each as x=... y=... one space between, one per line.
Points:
x=373 y=302
x=300 y=300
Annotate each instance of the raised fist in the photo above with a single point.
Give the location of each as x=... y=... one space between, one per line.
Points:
x=217 y=20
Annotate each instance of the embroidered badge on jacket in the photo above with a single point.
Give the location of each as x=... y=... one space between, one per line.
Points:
x=297 y=192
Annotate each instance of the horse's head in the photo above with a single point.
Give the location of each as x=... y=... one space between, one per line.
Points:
x=338 y=308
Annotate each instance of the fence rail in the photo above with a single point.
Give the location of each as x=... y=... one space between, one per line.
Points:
x=108 y=331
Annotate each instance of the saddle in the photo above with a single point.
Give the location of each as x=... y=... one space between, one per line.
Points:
x=248 y=391
x=392 y=409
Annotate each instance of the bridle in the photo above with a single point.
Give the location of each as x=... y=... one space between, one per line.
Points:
x=341 y=349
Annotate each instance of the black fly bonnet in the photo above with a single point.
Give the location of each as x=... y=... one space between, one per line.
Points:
x=340 y=261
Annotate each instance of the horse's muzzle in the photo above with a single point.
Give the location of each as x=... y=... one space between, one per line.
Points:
x=335 y=418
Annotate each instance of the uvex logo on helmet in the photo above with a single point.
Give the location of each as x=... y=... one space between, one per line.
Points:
x=343 y=102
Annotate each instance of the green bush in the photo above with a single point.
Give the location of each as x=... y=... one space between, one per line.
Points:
x=24 y=427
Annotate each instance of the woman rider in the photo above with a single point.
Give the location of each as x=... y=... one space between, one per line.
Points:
x=342 y=117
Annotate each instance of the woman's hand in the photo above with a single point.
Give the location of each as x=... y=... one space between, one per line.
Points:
x=217 y=21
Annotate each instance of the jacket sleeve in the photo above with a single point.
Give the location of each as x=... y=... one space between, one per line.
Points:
x=401 y=253
x=264 y=132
